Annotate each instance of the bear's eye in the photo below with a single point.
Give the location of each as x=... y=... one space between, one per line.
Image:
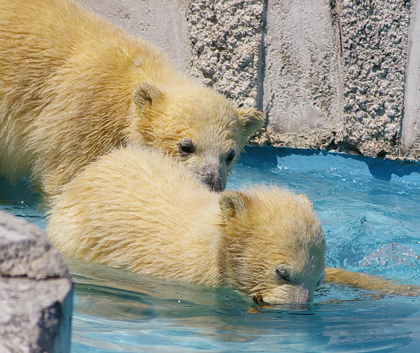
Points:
x=282 y=274
x=231 y=156
x=186 y=147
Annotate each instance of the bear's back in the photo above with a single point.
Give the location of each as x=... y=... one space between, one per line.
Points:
x=137 y=199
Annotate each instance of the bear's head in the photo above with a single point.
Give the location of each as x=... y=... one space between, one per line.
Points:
x=273 y=246
x=195 y=125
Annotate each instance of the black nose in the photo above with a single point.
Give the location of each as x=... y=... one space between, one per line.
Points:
x=214 y=183
x=216 y=187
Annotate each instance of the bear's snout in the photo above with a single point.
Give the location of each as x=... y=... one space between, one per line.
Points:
x=213 y=181
x=302 y=296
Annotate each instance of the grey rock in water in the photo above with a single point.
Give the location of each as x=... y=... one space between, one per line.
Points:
x=36 y=292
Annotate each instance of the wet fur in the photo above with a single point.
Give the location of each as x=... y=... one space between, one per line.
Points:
x=73 y=87
x=369 y=282
x=140 y=210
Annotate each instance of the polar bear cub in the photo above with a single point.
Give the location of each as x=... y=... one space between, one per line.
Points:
x=140 y=210
x=73 y=87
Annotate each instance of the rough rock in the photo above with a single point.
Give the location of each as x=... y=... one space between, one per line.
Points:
x=410 y=134
x=227 y=48
x=36 y=293
x=374 y=40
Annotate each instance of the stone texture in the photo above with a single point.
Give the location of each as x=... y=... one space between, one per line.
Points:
x=410 y=135
x=25 y=251
x=35 y=290
x=374 y=39
x=303 y=80
x=226 y=39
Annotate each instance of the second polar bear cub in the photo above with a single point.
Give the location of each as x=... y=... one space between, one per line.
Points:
x=140 y=210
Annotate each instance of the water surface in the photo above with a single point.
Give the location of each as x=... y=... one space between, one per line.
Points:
x=370 y=215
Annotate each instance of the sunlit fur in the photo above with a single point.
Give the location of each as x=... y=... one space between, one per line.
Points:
x=140 y=210
x=267 y=228
x=369 y=282
x=73 y=87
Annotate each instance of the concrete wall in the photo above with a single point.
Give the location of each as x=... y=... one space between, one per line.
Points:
x=303 y=93
x=410 y=135
x=335 y=74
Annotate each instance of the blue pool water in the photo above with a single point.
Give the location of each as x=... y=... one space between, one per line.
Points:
x=370 y=214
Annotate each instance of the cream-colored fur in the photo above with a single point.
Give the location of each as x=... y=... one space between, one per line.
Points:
x=140 y=210
x=73 y=87
x=369 y=282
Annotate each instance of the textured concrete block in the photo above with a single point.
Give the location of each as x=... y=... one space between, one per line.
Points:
x=35 y=291
x=226 y=41
x=374 y=39
x=303 y=79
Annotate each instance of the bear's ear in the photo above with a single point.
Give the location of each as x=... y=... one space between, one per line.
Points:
x=146 y=95
x=232 y=203
x=250 y=120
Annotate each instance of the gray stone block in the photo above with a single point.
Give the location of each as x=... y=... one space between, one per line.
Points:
x=303 y=76
x=410 y=134
x=226 y=41
x=374 y=39
x=36 y=295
